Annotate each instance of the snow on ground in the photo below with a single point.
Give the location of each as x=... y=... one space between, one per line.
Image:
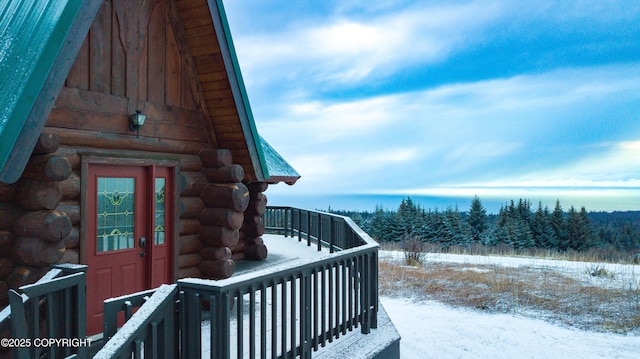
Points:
x=430 y=329
x=620 y=275
x=433 y=330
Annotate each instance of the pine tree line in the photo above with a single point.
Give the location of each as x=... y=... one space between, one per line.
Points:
x=516 y=225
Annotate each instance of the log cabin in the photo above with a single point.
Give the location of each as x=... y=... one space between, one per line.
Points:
x=127 y=143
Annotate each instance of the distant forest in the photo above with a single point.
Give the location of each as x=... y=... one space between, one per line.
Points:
x=518 y=224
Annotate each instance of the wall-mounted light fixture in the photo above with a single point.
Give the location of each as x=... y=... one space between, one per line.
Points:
x=136 y=121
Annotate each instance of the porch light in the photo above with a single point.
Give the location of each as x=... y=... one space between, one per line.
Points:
x=136 y=121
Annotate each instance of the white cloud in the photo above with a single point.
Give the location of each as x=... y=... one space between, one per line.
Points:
x=465 y=135
x=349 y=49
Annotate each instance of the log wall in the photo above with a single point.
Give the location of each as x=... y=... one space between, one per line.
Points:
x=250 y=245
x=225 y=199
x=36 y=226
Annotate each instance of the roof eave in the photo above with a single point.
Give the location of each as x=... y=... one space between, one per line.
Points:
x=223 y=34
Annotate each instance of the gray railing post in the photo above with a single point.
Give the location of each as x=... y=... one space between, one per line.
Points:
x=305 y=317
x=331 y=234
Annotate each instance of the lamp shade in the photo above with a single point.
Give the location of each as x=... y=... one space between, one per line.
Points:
x=138 y=118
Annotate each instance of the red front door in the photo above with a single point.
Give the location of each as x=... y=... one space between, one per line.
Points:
x=128 y=233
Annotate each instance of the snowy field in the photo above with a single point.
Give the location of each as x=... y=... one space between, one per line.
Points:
x=430 y=329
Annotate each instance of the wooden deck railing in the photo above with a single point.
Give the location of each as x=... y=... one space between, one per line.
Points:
x=48 y=318
x=148 y=333
x=290 y=311
x=284 y=312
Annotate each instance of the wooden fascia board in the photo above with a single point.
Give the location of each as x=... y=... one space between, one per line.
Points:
x=65 y=57
x=223 y=34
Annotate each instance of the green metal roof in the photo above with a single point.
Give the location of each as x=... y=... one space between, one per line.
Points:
x=32 y=32
x=279 y=169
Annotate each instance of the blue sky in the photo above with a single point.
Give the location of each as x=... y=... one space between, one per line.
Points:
x=447 y=98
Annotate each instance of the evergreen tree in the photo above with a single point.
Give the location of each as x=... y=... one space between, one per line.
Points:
x=587 y=232
x=541 y=229
x=577 y=229
x=477 y=219
x=557 y=223
x=457 y=231
x=379 y=225
x=433 y=229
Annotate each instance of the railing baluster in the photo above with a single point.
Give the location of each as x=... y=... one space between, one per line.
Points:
x=293 y=318
x=274 y=320
x=240 y=324
x=283 y=328
x=305 y=340
x=331 y=290
x=343 y=297
x=316 y=293
x=263 y=322
x=252 y=323
x=352 y=287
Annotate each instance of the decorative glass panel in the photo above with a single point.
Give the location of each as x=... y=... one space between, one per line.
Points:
x=115 y=213
x=159 y=211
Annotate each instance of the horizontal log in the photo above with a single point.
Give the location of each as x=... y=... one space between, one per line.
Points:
x=70 y=256
x=215 y=158
x=191 y=207
x=215 y=253
x=73 y=239
x=190 y=272
x=190 y=163
x=7 y=191
x=225 y=174
x=22 y=275
x=250 y=240
x=257 y=205
x=189 y=244
x=222 y=217
x=257 y=187
x=256 y=252
x=253 y=226
x=217 y=269
x=189 y=260
x=9 y=213
x=243 y=243
x=6 y=267
x=237 y=257
x=47 y=143
x=47 y=168
x=218 y=236
x=6 y=241
x=232 y=196
x=35 y=195
x=100 y=139
x=192 y=183
x=71 y=209
x=50 y=226
x=189 y=226
x=70 y=188
x=35 y=252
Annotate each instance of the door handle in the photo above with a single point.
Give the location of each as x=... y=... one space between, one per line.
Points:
x=143 y=242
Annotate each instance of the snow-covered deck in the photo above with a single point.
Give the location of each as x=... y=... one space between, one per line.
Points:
x=282 y=250
x=289 y=252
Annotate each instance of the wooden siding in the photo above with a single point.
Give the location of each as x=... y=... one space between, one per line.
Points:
x=133 y=58
x=195 y=18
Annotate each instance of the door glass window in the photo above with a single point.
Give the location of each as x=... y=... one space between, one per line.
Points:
x=159 y=211
x=115 y=203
